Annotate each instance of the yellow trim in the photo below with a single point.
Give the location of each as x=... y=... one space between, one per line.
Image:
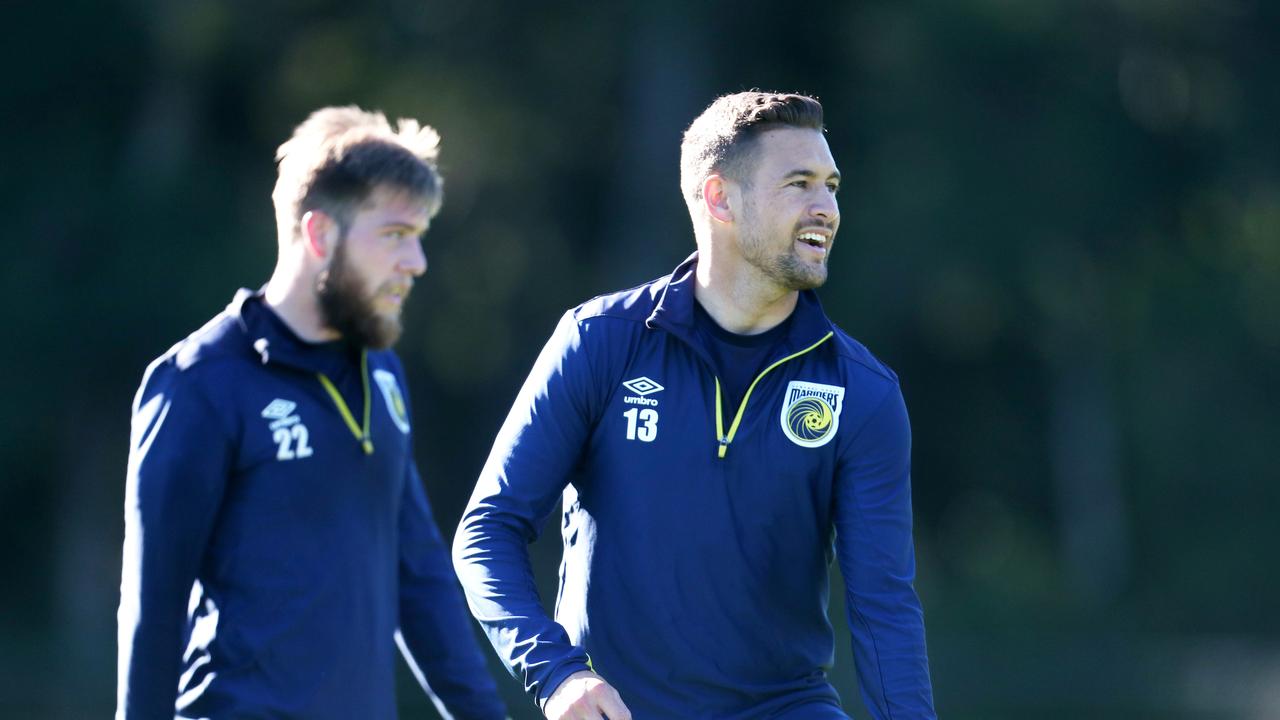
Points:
x=361 y=433
x=723 y=439
x=720 y=438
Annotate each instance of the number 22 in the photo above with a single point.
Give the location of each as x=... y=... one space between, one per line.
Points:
x=297 y=436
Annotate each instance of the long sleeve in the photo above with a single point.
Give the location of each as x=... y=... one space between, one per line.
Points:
x=877 y=558
x=435 y=628
x=528 y=468
x=179 y=458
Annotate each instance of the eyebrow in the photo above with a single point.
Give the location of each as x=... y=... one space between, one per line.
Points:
x=397 y=225
x=835 y=174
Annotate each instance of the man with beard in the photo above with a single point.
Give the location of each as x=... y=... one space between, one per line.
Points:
x=714 y=439
x=278 y=541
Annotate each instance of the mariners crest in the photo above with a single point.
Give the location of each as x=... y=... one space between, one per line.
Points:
x=811 y=412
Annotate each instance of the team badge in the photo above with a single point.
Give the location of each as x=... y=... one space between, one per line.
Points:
x=394 y=399
x=811 y=413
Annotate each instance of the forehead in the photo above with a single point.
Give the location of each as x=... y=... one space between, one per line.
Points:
x=392 y=205
x=784 y=150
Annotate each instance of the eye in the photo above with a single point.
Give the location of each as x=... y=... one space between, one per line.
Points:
x=802 y=183
x=833 y=187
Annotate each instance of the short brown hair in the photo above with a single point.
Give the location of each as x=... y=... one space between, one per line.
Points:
x=339 y=155
x=720 y=139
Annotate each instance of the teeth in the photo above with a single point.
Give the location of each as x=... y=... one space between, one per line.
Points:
x=813 y=238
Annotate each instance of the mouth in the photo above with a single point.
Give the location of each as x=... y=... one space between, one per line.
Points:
x=819 y=241
x=396 y=295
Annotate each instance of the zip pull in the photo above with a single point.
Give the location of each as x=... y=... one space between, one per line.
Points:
x=721 y=437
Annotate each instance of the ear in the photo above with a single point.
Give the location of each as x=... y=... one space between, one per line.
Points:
x=319 y=232
x=716 y=190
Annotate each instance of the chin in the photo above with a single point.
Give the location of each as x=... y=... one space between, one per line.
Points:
x=377 y=331
x=388 y=334
x=808 y=279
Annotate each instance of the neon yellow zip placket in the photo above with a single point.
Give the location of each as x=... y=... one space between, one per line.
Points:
x=724 y=439
x=361 y=432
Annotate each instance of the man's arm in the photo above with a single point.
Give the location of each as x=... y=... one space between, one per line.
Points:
x=179 y=458
x=528 y=468
x=435 y=628
x=877 y=558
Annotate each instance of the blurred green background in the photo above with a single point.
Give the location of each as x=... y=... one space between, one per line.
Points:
x=1061 y=227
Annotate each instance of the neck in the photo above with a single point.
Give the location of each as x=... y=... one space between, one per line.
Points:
x=293 y=298
x=737 y=296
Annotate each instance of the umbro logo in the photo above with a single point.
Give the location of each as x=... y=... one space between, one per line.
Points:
x=278 y=409
x=642 y=386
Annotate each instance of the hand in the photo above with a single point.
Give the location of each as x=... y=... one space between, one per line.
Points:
x=585 y=695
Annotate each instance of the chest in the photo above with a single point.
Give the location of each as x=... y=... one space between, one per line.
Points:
x=302 y=452
x=669 y=440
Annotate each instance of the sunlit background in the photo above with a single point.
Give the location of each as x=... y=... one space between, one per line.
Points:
x=1061 y=228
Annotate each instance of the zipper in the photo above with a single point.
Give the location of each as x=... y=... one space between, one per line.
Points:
x=361 y=433
x=724 y=439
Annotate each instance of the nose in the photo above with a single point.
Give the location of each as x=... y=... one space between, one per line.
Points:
x=825 y=207
x=414 y=261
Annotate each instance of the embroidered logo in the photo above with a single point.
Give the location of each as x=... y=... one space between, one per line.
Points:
x=811 y=413
x=394 y=399
x=642 y=386
x=278 y=409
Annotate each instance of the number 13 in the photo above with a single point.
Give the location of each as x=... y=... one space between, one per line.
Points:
x=646 y=429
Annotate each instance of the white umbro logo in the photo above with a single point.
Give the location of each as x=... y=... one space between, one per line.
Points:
x=278 y=409
x=642 y=386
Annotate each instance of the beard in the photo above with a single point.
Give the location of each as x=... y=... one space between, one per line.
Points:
x=784 y=268
x=347 y=307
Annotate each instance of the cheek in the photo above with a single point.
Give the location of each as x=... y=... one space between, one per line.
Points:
x=370 y=262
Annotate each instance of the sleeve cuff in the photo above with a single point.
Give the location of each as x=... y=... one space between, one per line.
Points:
x=553 y=681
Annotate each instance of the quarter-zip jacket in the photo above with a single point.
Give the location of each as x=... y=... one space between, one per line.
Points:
x=697 y=538
x=270 y=559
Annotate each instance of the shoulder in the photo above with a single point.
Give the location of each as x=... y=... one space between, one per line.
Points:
x=859 y=362
x=633 y=305
x=873 y=404
x=609 y=328
x=206 y=357
x=595 y=339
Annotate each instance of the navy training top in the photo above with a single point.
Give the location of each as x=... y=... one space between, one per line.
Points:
x=695 y=561
x=270 y=563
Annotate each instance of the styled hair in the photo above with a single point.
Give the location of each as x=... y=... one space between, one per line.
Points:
x=339 y=155
x=720 y=140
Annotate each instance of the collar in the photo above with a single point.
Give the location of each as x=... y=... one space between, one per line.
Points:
x=271 y=340
x=675 y=311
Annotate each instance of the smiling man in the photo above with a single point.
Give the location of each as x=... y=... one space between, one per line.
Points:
x=713 y=438
x=278 y=542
